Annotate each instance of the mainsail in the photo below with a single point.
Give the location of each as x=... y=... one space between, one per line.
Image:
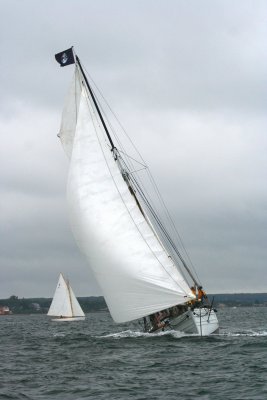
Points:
x=64 y=303
x=132 y=267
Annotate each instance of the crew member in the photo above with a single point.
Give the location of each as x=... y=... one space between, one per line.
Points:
x=193 y=290
x=201 y=294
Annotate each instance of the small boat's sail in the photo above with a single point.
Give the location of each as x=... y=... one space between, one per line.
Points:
x=64 y=304
x=112 y=227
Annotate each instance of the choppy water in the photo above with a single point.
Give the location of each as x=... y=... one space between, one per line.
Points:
x=97 y=359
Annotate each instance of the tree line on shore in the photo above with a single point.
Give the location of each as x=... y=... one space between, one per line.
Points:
x=97 y=303
x=41 y=305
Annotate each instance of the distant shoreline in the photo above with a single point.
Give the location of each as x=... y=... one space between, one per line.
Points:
x=40 y=305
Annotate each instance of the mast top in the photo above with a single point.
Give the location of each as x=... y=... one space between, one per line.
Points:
x=65 y=57
x=68 y=57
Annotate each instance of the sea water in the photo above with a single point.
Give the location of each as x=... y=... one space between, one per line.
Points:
x=97 y=359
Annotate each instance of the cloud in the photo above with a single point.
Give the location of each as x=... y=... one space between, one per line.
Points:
x=188 y=81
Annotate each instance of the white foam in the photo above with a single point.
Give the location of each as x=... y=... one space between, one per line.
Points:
x=137 y=334
x=178 y=334
x=59 y=335
x=246 y=333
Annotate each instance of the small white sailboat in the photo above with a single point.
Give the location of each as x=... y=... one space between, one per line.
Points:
x=134 y=257
x=64 y=305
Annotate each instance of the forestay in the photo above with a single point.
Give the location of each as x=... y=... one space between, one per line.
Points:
x=135 y=273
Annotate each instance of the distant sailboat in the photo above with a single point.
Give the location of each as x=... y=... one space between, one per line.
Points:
x=133 y=256
x=64 y=305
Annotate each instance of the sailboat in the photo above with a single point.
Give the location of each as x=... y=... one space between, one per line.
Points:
x=64 y=305
x=133 y=256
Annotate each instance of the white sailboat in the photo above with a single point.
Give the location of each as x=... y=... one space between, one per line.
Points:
x=64 y=305
x=135 y=261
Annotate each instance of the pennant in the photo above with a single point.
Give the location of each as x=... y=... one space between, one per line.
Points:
x=65 y=57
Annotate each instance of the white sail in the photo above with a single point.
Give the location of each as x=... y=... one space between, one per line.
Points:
x=76 y=308
x=130 y=264
x=70 y=114
x=64 y=303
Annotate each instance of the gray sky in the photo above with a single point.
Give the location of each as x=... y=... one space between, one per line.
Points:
x=187 y=80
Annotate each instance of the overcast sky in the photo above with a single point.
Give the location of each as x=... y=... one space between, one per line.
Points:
x=187 y=80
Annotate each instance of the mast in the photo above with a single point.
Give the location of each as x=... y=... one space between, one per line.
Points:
x=127 y=180
x=133 y=269
x=70 y=299
x=96 y=105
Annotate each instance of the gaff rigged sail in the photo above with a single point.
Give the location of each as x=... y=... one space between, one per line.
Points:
x=130 y=263
x=64 y=303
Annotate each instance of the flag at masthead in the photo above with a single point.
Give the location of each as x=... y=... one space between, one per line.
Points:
x=65 y=57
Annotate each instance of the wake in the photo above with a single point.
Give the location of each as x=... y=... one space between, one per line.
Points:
x=180 y=335
x=138 y=334
x=245 y=334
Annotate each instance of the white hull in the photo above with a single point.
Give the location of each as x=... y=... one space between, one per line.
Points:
x=69 y=319
x=200 y=321
x=65 y=306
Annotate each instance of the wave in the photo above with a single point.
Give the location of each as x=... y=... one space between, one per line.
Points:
x=138 y=334
x=245 y=333
x=178 y=334
x=58 y=335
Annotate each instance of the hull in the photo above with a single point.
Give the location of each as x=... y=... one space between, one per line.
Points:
x=199 y=321
x=68 y=319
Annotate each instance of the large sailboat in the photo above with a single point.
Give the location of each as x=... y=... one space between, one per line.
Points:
x=65 y=306
x=132 y=254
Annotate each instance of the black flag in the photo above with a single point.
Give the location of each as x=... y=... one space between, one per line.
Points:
x=65 y=57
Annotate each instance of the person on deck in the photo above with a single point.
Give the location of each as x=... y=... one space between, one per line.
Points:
x=194 y=292
x=201 y=294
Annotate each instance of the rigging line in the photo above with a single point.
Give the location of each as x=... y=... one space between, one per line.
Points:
x=99 y=106
x=149 y=173
x=141 y=185
x=137 y=170
x=107 y=164
x=155 y=212
x=165 y=232
x=129 y=138
x=115 y=116
x=131 y=166
x=138 y=162
x=96 y=105
x=168 y=216
x=114 y=131
x=136 y=185
x=94 y=116
x=147 y=197
x=128 y=163
x=172 y=224
x=121 y=149
x=143 y=195
x=161 y=226
x=95 y=120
